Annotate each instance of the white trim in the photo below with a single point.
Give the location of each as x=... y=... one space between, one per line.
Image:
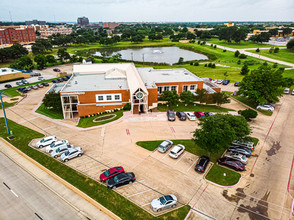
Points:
x=105 y=97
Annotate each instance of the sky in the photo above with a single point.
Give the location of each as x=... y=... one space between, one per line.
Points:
x=148 y=10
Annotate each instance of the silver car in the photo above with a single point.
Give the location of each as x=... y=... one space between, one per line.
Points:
x=165 y=146
x=60 y=150
x=56 y=144
x=220 y=81
x=71 y=153
x=164 y=202
x=236 y=156
x=265 y=107
x=46 y=141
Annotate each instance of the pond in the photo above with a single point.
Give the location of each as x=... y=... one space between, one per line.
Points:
x=167 y=55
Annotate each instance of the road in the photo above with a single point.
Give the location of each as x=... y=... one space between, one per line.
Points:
x=23 y=197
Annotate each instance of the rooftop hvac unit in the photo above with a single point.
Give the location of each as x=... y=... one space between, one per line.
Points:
x=76 y=82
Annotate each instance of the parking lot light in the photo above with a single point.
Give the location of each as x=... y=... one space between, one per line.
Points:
x=4 y=113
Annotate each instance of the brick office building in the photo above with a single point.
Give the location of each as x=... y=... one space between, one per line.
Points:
x=17 y=35
x=102 y=87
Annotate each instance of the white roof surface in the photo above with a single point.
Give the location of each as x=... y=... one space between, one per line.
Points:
x=6 y=71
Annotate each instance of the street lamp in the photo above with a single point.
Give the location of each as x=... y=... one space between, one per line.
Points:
x=4 y=113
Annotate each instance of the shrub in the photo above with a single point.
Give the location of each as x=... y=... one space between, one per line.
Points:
x=209 y=65
x=127 y=107
x=239 y=62
x=196 y=63
x=225 y=50
x=214 y=46
x=213 y=65
x=242 y=56
x=257 y=50
x=237 y=53
x=191 y=63
x=276 y=50
x=265 y=64
x=199 y=42
x=205 y=65
x=248 y=114
x=275 y=65
x=211 y=45
x=271 y=50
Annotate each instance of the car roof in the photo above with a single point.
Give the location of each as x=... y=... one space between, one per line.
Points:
x=177 y=147
x=50 y=137
x=164 y=143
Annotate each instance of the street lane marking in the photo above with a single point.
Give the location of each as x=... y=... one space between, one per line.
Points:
x=192 y=166
x=10 y=189
x=128 y=132
x=141 y=192
x=172 y=129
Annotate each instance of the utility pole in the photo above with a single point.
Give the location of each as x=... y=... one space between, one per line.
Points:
x=4 y=114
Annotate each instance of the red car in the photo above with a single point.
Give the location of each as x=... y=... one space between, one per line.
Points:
x=199 y=114
x=234 y=164
x=111 y=173
x=56 y=70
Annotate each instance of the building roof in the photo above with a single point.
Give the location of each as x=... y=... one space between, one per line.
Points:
x=151 y=76
x=6 y=71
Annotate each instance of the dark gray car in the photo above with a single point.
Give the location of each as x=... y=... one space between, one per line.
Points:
x=171 y=115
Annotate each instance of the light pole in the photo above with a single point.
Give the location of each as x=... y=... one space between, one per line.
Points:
x=4 y=113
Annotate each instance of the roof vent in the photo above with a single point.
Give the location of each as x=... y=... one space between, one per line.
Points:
x=76 y=82
x=165 y=74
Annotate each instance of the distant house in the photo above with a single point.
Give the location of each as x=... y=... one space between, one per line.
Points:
x=87 y=61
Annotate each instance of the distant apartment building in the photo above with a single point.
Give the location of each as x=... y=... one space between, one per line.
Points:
x=35 y=22
x=47 y=31
x=17 y=34
x=83 y=21
x=110 y=25
x=229 y=24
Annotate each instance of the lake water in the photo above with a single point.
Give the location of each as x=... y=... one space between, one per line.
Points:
x=167 y=55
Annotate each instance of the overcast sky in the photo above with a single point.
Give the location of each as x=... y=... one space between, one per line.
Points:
x=148 y=10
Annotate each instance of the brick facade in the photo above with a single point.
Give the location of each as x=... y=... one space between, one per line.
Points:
x=18 y=35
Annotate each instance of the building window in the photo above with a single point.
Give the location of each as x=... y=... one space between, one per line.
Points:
x=159 y=90
x=166 y=88
x=173 y=88
x=100 y=98
x=192 y=87
x=108 y=97
x=117 y=97
x=185 y=88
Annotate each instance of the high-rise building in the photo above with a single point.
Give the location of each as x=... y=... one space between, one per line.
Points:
x=83 y=21
x=17 y=35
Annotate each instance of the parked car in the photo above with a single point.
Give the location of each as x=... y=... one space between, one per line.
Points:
x=165 y=146
x=34 y=87
x=22 y=89
x=60 y=150
x=287 y=91
x=24 y=81
x=236 y=84
x=235 y=93
x=7 y=86
x=65 y=78
x=181 y=116
x=164 y=202
x=56 y=70
x=19 y=83
x=45 y=84
x=214 y=80
x=220 y=81
x=226 y=82
x=269 y=104
x=234 y=164
x=292 y=93
x=201 y=164
x=40 y=85
x=236 y=156
x=56 y=144
x=265 y=107
x=207 y=114
x=60 y=80
x=199 y=114
x=41 y=78
x=28 y=88
x=177 y=151
x=191 y=116
x=68 y=76
x=171 y=115
x=55 y=81
x=249 y=145
x=121 y=180
x=46 y=141
x=111 y=173
x=240 y=150
x=71 y=153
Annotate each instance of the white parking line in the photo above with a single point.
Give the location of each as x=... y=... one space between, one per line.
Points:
x=141 y=192
x=145 y=204
x=27 y=120
x=100 y=165
x=138 y=181
x=165 y=155
x=49 y=127
x=102 y=132
x=13 y=193
x=83 y=163
x=191 y=166
x=180 y=158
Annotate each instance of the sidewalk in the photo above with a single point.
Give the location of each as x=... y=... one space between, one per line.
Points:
x=87 y=210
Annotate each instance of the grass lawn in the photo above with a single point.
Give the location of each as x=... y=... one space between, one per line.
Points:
x=6 y=104
x=88 y=122
x=108 y=198
x=49 y=113
x=284 y=54
x=192 y=108
x=216 y=175
x=242 y=45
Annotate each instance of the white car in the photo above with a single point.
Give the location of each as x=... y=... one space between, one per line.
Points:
x=46 y=141
x=292 y=92
x=190 y=116
x=287 y=91
x=163 y=202
x=236 y=156
x=60 y=150
x=56 y=144
x=71 y=153
x=214 y=81
x=220 y=81
x=177 y=151
x=265 y=107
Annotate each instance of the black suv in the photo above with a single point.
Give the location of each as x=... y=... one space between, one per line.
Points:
x=181 y=116
x=202 y=164
x=226 y=82
x=120 y=180
x=171 y=115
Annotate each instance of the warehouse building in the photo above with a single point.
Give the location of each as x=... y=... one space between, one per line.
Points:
x=103 y=87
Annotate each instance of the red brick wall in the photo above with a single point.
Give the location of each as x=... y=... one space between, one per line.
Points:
x=90 y=97
x=93 y=109
x=152 y=97
x=11 y=35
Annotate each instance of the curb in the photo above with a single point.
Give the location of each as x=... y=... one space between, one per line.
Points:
x=68 y=185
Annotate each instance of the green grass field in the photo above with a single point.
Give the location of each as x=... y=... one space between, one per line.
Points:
x=242 y=45
x=192 y=108
x=113 y=201
x=222 y=176
x=49 y=113
x=283 y=54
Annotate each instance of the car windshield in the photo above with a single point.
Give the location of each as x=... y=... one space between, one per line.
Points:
x=52 y=145
x=171 y=114
x=118 y=168
x=106 y=173
x=66 y=153
x=116 y=179
x=172 y=152
x=57 y=150
x=162 y=200
x=42 y=141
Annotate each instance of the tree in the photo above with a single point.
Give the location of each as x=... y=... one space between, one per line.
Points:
x=248 y=114
x=242 y=56
x=290 y=44
x=16 y=51
x=171 y=97
x=263 y=85
x=24 y=63
x=52 y=101
x=41 y=46
x=196 y=63
x=41 y=60
x=257 y=50
x=245 y=70
x=237 y=53
x=220 y=98
x=274 y=31
x=62 y=54
x=201 y=95
x=218 y=131
x=181 y=60
x=187 y=97
x=205 y=35
x=287 y=31
x=50 y=59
